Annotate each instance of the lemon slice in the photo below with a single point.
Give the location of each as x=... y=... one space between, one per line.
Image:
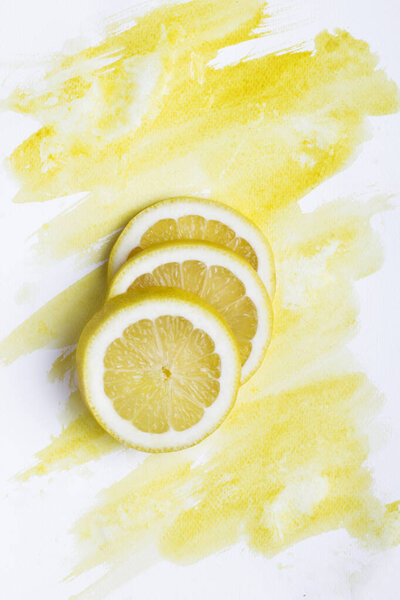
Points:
x=195 y=219
x=159 y=370
x=218 y=276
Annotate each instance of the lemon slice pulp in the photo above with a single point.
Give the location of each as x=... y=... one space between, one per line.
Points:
x=195 y=219
x=218 y=276
x=159 y=370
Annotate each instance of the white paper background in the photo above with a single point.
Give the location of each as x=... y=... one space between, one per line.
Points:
x=36 y=548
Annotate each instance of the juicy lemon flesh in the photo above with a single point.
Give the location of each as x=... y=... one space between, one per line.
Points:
x=216 y=285
x=162 y=374
x=194 y=227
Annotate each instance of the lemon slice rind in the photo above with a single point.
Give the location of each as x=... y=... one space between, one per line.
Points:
x=110 y=323
x=174 y=208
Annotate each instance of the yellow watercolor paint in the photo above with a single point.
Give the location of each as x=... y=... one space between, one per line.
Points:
x=143 y=116
x=59 y=322
x=82 y=440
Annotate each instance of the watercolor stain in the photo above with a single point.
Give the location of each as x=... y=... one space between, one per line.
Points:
x=142 y=116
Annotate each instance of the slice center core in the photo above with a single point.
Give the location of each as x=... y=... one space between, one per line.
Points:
x=166 y=373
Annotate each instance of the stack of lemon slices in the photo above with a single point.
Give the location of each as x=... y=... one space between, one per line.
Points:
x=187 y=319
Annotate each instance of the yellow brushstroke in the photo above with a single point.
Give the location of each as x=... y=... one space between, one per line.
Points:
x=81 y=441
x=59 y=322
x=330 y=248
x=142 y=116
x=288 y=462
x=64 y=365
x=194 y=127
x=283 y=467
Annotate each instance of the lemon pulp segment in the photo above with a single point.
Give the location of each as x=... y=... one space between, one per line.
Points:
x=195 y=227
x=162 y=373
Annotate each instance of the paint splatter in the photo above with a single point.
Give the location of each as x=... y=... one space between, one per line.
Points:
x=144 y=115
